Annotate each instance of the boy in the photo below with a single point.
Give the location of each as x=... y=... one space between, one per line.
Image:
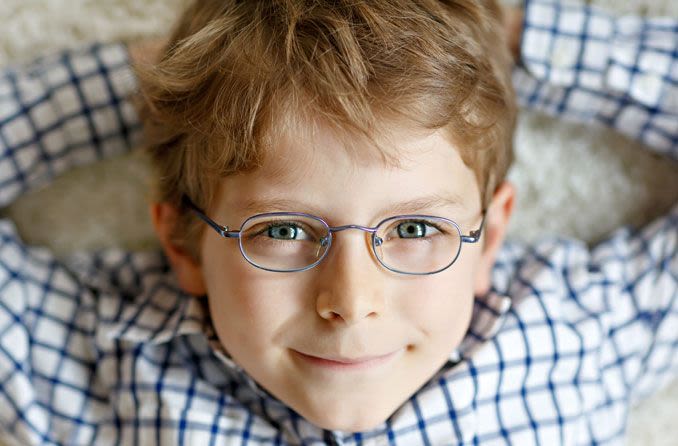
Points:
x=367 y=300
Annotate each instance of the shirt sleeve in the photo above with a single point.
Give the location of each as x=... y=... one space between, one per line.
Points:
x=48 y=390
x=582 y=63
x=622 y=72
x=63 y=111
x=630 y=284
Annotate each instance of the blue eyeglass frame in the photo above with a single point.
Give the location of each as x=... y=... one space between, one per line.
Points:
x=473 y=237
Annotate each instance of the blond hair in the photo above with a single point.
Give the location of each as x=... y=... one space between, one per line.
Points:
x=236 y=72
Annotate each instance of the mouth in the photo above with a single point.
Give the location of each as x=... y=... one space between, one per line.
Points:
x=342 y=363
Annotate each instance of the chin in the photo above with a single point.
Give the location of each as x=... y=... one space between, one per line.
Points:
x=351 y=424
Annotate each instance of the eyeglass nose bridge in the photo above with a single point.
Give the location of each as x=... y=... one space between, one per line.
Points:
x=332 y=229
x=345 y=227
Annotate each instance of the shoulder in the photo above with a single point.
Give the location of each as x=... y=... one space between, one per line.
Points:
x=558 y=275
x=118 y=271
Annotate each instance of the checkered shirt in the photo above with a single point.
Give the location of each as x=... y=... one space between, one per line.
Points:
x=104 y=348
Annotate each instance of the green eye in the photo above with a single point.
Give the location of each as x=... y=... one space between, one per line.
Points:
x=284 y=232
x=412 y=229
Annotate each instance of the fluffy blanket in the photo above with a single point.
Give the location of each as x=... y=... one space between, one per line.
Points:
x=558 y=169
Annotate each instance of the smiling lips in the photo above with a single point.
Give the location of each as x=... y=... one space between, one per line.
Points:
x=338 y=362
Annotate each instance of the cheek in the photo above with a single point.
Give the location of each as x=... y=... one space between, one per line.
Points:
x=437 y=304
x=249 y=307
x=441 y=305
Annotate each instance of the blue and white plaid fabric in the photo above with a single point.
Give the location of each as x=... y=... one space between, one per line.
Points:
x=104 y=348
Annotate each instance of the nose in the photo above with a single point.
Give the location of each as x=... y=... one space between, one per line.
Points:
x=350 y=286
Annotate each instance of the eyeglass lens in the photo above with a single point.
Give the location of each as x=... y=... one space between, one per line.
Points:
x=417 y=245
x=284 y=242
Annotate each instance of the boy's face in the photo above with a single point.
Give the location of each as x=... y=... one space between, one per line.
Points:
x=348 y=306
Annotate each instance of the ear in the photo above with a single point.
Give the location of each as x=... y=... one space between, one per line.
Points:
x=496 y=224
x=188 y=272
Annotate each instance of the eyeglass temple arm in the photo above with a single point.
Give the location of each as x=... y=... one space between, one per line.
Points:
x=222 y=230
x=474 y=236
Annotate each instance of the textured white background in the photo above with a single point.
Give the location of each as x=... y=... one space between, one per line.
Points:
x=571 y=179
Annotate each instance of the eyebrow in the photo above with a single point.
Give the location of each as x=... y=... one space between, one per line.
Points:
x=413 y=206
x=421 y=204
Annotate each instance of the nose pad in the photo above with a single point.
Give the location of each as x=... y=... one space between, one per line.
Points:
x=378 y=248
x=322 y=245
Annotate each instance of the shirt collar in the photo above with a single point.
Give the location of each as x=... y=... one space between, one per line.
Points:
x=489 y=314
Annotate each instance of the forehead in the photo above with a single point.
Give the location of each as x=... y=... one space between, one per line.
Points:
x=326 y=169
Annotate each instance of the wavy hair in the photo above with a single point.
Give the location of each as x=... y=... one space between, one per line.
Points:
x=234 y=74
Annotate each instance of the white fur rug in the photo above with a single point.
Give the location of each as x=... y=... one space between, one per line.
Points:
x=558 y=170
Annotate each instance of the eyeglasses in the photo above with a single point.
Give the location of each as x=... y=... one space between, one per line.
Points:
x=296 y=241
